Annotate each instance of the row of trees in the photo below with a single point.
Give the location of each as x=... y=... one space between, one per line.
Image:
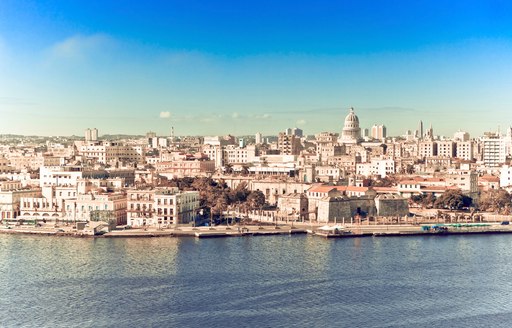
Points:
x=217 y=197
x=498 y=200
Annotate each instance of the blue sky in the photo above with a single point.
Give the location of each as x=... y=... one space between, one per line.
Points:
x=240 y=67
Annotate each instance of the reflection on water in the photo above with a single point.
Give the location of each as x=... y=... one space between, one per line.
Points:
x=281 y=281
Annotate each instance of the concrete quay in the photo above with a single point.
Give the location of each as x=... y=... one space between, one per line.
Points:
x=207 y=232
x=356 y=231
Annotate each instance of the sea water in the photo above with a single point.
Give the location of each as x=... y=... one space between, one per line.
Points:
x=267 y=281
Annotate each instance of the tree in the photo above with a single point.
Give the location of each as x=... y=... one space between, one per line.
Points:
x=453 y=200
x=240 y=193
x=228 y=168
x=256 y=199
x=424 y=200
x=245 y=170
x=498 y=200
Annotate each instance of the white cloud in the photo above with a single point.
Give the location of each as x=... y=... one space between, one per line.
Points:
x=79 y=46
x=262 y=116
x=165 y=114
x=235 y=115
x=301 y=122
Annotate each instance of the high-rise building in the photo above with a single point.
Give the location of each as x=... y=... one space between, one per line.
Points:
x=420 y=130
x=87 y=134
x=259 y=138
x=493 y=149
x=461 y=136
x=288 y=144
x=379 y=132
x=94 y=134
x=91 y=134
x=297 y=132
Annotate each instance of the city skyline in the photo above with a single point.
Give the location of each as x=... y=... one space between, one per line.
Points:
x=232 y=68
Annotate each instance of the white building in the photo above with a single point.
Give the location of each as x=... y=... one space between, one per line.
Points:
x=506 y=176
x=239 y=155
x=493 y=149
x=465 y=150
x=59 y=175
x=157 y=207
x=11 y=193
x=461 y=136
x=377 y=167
x=351 y=131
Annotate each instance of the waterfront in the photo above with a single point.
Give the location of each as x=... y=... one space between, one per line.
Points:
x=278 y=281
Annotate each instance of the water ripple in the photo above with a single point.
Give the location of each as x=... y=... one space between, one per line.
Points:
x=460 y=281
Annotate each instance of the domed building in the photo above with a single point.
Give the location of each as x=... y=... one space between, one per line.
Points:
x=351 y=131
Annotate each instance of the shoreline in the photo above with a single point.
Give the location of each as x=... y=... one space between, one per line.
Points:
x=356 y=231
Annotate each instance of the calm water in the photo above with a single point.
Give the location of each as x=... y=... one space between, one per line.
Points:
x=300 y=281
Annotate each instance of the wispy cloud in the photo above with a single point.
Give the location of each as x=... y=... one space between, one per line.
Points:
x=210 y=118
x=301 y=122
x=80 y=46
x=235 y=115
x=14 y=101
x=260 y=116
x=394 y=109
x=165 y=115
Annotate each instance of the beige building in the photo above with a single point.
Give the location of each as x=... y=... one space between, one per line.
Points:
x=110 y=152
x=465 y=150
x=293 y=207
x=239 y=155
x=186 y=168
x=427 y=149
x=161 y=207
x=288 y=144
x=446 y=148
x=97 y=207
x=11 y=193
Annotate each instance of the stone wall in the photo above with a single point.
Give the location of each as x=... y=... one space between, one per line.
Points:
x=391 y=205
x=331 y=209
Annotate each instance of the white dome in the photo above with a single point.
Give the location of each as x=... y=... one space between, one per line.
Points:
x=351 y=132
x=351 y=118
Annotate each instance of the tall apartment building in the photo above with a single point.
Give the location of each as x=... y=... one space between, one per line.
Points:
x=465 y=150
x=493 y=149
x=379 y=132
x=446 y=148
x=91 y=134
x=288 y=144
x=427 y=149
x=461 y=136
